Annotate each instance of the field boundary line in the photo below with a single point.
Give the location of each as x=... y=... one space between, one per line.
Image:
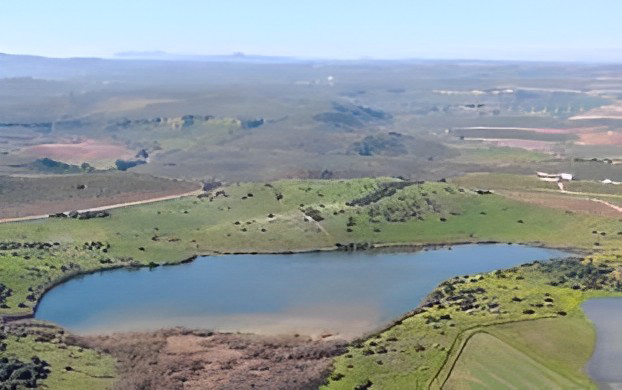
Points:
x=460 y=343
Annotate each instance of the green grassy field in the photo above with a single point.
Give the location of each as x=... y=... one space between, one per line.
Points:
x=525 y=315
x=148 y=106
x=489 y=363
x=71 y=367
x=501 y=181
x=546 y=342
x=499 y=155
x=251 y=219
x=297 y=215
x=531 y=183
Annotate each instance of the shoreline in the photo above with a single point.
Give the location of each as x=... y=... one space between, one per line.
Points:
x=393 y=247
x=116 y=338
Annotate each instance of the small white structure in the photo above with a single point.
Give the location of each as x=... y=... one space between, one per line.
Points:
x=543 y=175
x=555 y=176
x=609 y=181
x=566 y=176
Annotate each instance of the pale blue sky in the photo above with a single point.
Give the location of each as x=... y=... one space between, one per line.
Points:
x=486 y=29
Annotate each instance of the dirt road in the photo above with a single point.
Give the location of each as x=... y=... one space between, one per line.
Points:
x=109 y=207
x=613 y=206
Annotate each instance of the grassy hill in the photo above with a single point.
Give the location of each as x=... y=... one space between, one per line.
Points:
x=276 y=217
x=488 y=331
x=298 y=215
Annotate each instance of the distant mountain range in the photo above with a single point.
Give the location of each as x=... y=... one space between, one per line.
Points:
x=236 y=57
x=18 y=65
x=132 y=65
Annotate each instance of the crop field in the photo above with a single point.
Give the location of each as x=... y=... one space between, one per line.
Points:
x=488 y=362
x=563 y=140
x=569 y=203
x=48 y=194
x=579 y=196
x=522 y=134
x=532 y=183
x=251 y=123
x=500 y=155
x=99 y=154
x=604 y=138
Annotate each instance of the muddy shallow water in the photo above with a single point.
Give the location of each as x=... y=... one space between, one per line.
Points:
x=605 y=365
x=342 y=293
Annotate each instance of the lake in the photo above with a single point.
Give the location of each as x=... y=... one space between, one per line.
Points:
x=344 y=293
x=604 y=365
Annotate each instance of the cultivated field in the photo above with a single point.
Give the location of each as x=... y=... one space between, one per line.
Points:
x=252 y=122
x=50 y=194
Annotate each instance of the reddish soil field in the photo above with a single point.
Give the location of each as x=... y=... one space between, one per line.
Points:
x=601 y=138
x=90 y=151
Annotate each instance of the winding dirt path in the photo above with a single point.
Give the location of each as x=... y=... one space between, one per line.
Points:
x=587 y=194
x=613 y=206
x=316 y=223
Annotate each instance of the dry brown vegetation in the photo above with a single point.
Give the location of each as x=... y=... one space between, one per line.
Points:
x=185 y=359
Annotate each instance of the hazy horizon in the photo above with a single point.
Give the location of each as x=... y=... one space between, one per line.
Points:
x=157 y=55
x=480 y=29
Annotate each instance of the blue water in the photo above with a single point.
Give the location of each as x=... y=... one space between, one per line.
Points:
x=336 y=292
x=604 y=365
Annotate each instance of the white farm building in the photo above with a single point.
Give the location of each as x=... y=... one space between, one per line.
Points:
x=555 y=176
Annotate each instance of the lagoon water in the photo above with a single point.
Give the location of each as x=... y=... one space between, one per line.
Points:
x=606 y=362
x=345 y=293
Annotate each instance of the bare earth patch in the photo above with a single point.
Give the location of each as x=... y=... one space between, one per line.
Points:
x=612 y=111
x=184 y=359
x=49 y=194
x=601 y=138
x=90 y=151
x=564 y=202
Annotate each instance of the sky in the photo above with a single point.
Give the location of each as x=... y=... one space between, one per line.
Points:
x=547 y=30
